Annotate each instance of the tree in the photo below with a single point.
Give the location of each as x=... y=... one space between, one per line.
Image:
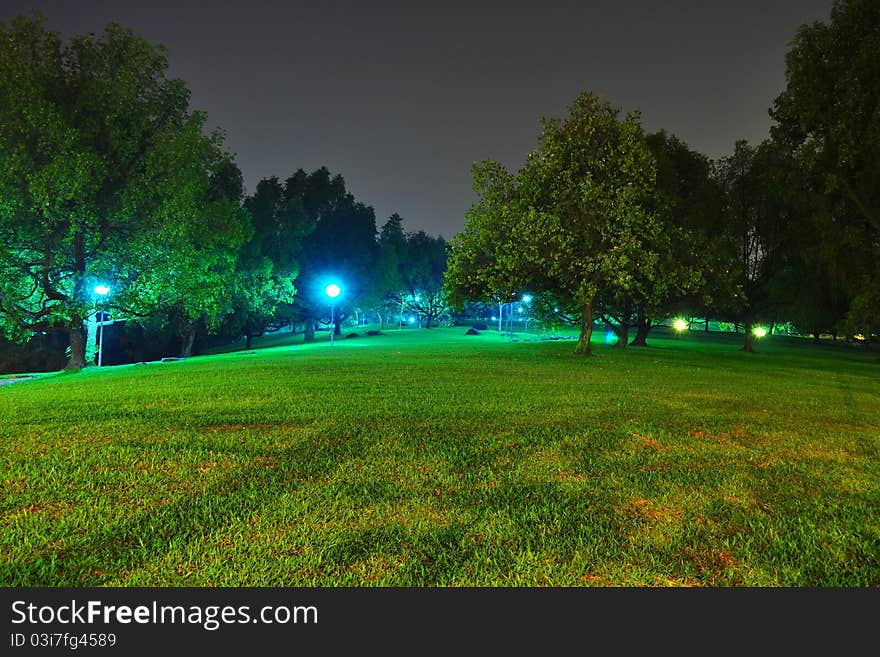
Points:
x=268 y=263
x=184 y=272
x=102 y=161
x=687 y=200
x=575 y=221
x=385 y=297
x=342 y=247
x=757 y=184
x=482 y=263
x=828 y=117
x=422 y=277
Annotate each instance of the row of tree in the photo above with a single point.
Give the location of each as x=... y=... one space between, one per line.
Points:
x=109 y=178
x=604 y=221
x=308 y=232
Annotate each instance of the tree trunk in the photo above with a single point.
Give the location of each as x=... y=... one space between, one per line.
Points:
x=428 y=321
x=747 y=328
x=623 y=334
x=336 y=328
x=78 y=333
x=309 y=329
x=248 y=340
x=583 y=345
x=187 y=337
x=816 y=338
x=77 y=350
x=706 y=328
x=643 y=326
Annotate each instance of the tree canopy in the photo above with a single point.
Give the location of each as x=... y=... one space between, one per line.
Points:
x=828 y=118
x=576 y=221
x=106 y=175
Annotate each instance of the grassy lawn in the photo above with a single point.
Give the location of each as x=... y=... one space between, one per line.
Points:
x=423 y=458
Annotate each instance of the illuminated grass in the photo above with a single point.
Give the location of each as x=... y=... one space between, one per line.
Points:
x=433 y=458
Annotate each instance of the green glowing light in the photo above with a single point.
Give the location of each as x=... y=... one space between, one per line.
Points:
x=759 y=331
x=680 y=325
x=332 y=290
x=102 y=290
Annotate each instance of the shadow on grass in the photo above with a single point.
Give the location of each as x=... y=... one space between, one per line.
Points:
x=109 y=551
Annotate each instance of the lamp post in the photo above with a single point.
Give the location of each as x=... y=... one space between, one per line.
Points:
x=332 y=291
x=101 y=291
x=527 y=299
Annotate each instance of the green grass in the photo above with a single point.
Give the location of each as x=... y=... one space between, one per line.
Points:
x=423 y=458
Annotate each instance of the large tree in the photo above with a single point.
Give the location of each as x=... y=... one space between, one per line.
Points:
x=268 y=263
x=828 y=116
x=342 y=248
x=759 y=191
x=100 y=152
x=183 y=273
x=685 y=204
x=689 y=200
x=482 y=265
x=576 y=221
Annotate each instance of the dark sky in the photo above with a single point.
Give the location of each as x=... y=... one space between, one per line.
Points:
x=402 y=97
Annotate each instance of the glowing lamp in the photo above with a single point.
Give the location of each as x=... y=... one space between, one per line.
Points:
x=680 y=325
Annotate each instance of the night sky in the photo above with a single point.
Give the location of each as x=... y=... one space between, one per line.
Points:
x=402 y=97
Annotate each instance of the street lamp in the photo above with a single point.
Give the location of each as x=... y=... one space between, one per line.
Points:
x=101 y=291
x=332 y=291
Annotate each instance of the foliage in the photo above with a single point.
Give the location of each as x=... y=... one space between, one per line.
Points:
x=422 y=279
x=268 y=263
x=341 y=248
x=576 y=220
x=759 y=186
x=828 y=116
x=106 y=173
x=185 y=271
